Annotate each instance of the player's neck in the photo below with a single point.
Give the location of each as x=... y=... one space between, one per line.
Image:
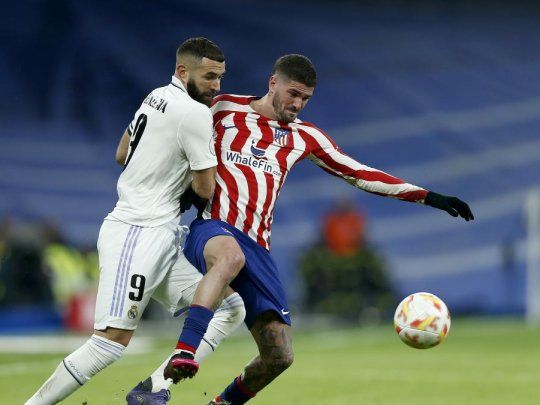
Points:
x=263 y=106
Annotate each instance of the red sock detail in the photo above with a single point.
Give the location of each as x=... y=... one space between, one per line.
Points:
x=183 y=346
x=245 y=390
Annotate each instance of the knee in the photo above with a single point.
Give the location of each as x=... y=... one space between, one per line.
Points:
x=234 y=259
x=237 y=310
x=239 y=314
x=229 y=261
x=122 y=336
x=231 y=312
x=279 y=364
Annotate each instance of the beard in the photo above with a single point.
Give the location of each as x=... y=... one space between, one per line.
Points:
x=197 y=95
x=283 y=115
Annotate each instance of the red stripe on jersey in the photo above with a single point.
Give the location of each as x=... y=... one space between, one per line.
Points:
x=284 y=152
x=216 y=204
x=268 y=137
x=237 y=145
x=253 y=190
x=263 y=143
x=240 y=183
x=218 y=116
x=266 y=215
x=281 y=157
x=243 y=100
x=366 y=175
x=413 y=195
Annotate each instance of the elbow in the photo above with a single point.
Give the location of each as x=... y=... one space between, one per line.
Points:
x=205 y=191
x=120 y=155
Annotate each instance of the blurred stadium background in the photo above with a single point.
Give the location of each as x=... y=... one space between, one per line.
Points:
x=443 y=94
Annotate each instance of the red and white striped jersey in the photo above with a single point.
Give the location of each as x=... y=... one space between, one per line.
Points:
x=255 y=155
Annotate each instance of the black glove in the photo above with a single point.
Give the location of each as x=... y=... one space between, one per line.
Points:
x=453 y=205
x=191 y=198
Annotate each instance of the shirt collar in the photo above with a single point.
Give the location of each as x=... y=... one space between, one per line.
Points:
x=176 y=82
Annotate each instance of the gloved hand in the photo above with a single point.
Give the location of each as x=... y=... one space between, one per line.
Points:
x=453 y=205
x=191 y=198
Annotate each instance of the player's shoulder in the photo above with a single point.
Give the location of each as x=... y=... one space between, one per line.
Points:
x=231 y=101
x=309 y=127
x=182 y=106
x=197 y=113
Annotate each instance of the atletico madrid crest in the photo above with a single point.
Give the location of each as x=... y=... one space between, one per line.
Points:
x=282 y=136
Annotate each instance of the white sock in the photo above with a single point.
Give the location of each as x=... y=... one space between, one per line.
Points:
x=227 y=318
x=76 y=369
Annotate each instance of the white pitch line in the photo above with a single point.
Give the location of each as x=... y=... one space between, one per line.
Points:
x=37 y=367
x=62 y=344
x=34 y=367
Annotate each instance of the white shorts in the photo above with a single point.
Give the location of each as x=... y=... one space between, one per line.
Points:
x=137 y=263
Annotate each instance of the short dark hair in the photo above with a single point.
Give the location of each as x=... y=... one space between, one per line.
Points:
x=200 y=48
x=298 y=68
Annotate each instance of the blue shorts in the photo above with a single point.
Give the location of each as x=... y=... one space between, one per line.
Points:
x=257 y=283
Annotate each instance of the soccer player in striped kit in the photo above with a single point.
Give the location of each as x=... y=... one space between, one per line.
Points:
x=166 y=146
x=257 y=142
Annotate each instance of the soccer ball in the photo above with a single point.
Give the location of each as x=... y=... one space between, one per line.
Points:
x=422 y=320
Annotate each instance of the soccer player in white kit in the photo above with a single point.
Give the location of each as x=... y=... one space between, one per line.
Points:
x=169 y=145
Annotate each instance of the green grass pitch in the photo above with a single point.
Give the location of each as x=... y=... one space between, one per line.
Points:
x=482 y=362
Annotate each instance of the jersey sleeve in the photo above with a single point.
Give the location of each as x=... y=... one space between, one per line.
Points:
x=327 y=155
x=131 y=125
x=196 y=137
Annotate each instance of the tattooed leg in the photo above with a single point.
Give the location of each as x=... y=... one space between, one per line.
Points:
x=274 y=340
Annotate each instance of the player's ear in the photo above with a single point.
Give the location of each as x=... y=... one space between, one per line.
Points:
x=272 y=83
x=182 y=72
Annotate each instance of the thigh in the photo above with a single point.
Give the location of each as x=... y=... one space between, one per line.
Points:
x=260 y=287
x=133 y=261
x=202 y=235
x=223 y=248
x=177 y=289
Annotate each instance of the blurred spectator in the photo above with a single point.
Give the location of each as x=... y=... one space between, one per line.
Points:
x=23 y=277
x=67 y=265
x=343 y=275
x=37 y=267
x=343 y=229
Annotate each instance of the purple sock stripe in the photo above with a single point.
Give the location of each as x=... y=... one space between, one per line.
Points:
x=120 y=274
x=125 y=275
x=118 y=269
x=107 y=349
x=128 y=271
x=233 y=302
x=105 y=341
x=112 y=345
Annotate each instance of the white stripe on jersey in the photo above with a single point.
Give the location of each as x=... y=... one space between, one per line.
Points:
x=373 y=186
x=227 y=121
x=256 y=156
x=254 y=139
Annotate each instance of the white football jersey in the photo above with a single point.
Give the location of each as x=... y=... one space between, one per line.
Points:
x=171 y=134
